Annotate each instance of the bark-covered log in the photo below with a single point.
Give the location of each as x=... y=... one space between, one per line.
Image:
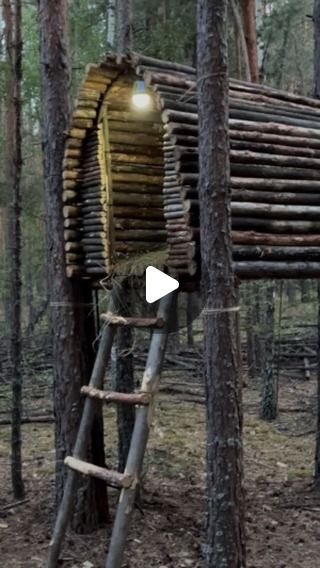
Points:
x=282 y=253
x=254 y=238
x=265 y=225
x=260 y=269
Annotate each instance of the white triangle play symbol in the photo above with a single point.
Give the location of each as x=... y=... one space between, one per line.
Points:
x=158 y=284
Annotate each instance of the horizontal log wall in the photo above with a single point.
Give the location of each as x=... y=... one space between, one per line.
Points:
x=113 y=172
x=130 y=180
x=136 y=164
x=275 y=174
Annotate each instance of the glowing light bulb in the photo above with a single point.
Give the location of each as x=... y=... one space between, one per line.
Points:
x=140 y=98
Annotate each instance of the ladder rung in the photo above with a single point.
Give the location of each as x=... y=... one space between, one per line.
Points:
x=113 y=319
x=142 y=398
x=113 y=478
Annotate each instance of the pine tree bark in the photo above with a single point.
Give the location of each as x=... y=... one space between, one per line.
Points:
x=12 y=19
x=250 y=32
x=316 y=21
x=124 y=367
x=70 y=301
x=225 y=521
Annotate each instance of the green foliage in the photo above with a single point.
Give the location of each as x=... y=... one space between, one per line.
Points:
x=166 y=29
x=87 y=24
x=31 y=62
x=287 y=42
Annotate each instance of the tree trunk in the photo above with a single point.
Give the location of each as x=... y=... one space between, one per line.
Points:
x=111 y=24
x=124 y=367
x=258 y=326
x=269 y=401
x=124 y=383
x=70 y=300
x=317 y=452
x=291 y=292
x=190 y=305
x=250 y=331
x=242 y=39
x=12 y=19
x=304 y=289
x=225 y=521
x=316 y=21
x=124 y=25
x=174 y=343
x=250 y=32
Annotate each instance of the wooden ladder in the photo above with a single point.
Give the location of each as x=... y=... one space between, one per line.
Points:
x=129 y=480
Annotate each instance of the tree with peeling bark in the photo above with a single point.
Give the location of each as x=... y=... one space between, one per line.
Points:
x=225 y=519
x=12 y=33
x=70 y=303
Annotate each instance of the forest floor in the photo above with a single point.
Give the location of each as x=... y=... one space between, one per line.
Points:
x=283 y=510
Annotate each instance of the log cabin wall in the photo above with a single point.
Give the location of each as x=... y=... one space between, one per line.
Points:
x=130 y=177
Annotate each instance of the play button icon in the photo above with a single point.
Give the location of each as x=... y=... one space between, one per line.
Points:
x=158 y=284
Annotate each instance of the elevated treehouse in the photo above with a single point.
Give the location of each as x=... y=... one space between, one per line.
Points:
x=130 y=176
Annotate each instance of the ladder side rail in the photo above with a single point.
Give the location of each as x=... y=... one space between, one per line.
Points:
x=139 y=438
x=80 y=448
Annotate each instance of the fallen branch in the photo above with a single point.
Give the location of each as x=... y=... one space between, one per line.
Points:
x=12 y=505
x=29 y=420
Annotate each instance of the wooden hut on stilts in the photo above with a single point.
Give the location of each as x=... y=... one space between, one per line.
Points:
x=130 y=199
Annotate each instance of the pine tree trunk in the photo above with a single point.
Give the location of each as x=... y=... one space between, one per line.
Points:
x=317 y=452
x=269 y=401
x=69 y=300
x=111 y=24
x=250 y=332
x=12 y=18
x=124 y=25
x=225 y=521
x=124 y=383
x=304 y=288
x=124 y=368
x=316 y=21
x=242 y=39
x=190 y=305
x=291 y=292
x=250 y=32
